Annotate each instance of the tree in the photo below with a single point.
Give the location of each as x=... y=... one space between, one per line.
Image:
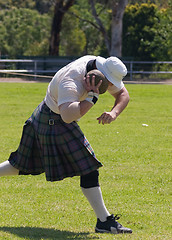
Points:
x=23 y=32
x=61 y=7
x=44 y=6
x=114 y=46
x=159 y=3
x=139 y=30
x=95 y=43
x=117 y=23
x=73 y=38
x=8 y=4
x=113 y=40
x=162 y=43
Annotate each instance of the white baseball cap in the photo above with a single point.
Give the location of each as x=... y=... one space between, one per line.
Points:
x=113 y=69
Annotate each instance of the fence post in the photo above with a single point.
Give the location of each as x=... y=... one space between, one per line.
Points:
x=35 y=69
x=131 y=71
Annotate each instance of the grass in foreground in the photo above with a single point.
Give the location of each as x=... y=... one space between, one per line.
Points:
x=135 y=179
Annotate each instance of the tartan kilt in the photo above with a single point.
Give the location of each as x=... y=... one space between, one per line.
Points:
x=60 y=150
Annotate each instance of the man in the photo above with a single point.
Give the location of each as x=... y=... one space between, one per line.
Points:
x=52 y=141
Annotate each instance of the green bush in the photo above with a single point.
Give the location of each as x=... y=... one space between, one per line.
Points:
x=24 y=32
x=139 y=31
x=147 y=32
x=162 y=43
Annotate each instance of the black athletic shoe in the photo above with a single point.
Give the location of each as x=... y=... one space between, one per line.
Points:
x=111 y=226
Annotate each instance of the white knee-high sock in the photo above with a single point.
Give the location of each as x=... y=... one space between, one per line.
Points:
x=94 y=196
x=6 y=169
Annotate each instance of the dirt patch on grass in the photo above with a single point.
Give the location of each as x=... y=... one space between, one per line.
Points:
x=23 y=80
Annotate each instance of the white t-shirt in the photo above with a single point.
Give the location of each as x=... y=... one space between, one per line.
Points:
x=67 y=84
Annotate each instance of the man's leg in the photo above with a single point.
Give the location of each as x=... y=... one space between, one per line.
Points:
x=91 y=189
x=6 y=169
x=105 y=222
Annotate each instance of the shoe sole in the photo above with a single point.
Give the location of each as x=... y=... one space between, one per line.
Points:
x=113 y=231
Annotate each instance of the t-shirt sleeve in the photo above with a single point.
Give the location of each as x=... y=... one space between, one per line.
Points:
x=67 y=92
x=113 y=89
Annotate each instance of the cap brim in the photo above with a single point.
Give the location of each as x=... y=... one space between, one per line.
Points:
x=100 y=64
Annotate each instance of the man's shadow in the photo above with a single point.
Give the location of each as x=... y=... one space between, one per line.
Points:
x=35 y=233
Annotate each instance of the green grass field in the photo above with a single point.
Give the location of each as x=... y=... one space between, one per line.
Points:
x=135 y=179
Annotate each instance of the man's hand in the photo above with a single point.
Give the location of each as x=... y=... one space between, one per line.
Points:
x=122 y=99
x=90 y=84
x=107 y=117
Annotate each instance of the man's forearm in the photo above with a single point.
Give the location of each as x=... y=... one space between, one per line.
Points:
x=85 y=106
x=72 y=111
x=121 y=102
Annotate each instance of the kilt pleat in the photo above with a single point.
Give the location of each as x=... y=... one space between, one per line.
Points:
x=60 y=150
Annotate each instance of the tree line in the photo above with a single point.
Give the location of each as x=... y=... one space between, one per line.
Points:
x=138 y=30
